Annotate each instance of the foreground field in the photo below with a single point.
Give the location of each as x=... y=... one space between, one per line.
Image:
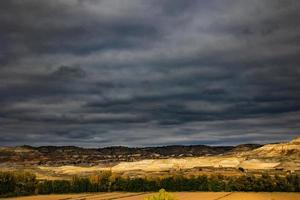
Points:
x=179 y=195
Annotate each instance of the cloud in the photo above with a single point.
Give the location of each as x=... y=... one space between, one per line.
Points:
x=132 y=72
x=67 y=72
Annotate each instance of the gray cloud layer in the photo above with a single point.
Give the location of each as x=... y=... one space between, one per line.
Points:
x=135 y=73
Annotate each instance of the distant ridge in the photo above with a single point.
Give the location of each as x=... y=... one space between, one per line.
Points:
x=291 y=149
x=72 y=155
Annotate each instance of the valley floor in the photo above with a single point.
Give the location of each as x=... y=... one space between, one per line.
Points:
x=179 y=195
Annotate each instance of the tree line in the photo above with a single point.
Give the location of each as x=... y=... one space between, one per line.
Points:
x=13 y=184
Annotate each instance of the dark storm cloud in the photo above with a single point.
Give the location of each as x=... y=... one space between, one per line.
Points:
x=67 y=72
x=68 y=27
x=131 y=72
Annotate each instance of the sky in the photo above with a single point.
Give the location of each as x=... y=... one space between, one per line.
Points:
x=97 y=73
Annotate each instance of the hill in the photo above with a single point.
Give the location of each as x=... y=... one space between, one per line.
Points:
x=71 y=155
x=51 y=162
x=289 y=149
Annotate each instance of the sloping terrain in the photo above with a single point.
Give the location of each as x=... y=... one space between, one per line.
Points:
x=70 y=155
x=57 y=162
x=290 y=149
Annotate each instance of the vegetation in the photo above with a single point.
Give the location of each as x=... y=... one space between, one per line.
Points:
x=26 y=184
x=17 y=183
x=162 y=195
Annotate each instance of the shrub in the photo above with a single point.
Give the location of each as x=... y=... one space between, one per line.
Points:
x=162 y=195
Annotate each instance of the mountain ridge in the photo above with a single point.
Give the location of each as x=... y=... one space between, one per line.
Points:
x=73 y=155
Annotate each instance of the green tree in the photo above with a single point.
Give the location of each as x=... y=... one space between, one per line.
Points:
x=45 y=187
x=7 y=183
x=80 y=184
x=104 y=181
x=61 y=186
x=25 y=183
x=216 y=183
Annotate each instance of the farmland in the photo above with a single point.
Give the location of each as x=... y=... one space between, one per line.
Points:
x=179 y=195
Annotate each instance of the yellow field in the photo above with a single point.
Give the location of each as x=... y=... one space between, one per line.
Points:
x=179 y=195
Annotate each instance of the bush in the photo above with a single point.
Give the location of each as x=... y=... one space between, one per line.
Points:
x=162 y=195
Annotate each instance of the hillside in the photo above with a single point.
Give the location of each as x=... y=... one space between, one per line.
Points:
x=281 y=156
x=289 y=149
x=50 y=162
x=71 y=155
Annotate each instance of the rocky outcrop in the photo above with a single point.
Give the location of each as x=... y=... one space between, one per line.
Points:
x=290 y=149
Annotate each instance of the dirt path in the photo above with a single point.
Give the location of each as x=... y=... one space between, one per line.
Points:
x=132 y=195
x=107 y=196
x=226 y=195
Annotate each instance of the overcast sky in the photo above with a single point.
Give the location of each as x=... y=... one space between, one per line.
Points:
x=96 y=73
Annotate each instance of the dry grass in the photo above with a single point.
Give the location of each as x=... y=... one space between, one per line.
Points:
x=177 y=163
x=70 y=170
x=150 y=165
x=189 y=163
x=258 y=164
x=262 y=196
x=179 y=195
x=199 y=195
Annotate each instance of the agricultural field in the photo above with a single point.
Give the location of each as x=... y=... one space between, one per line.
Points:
x=178 y=195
